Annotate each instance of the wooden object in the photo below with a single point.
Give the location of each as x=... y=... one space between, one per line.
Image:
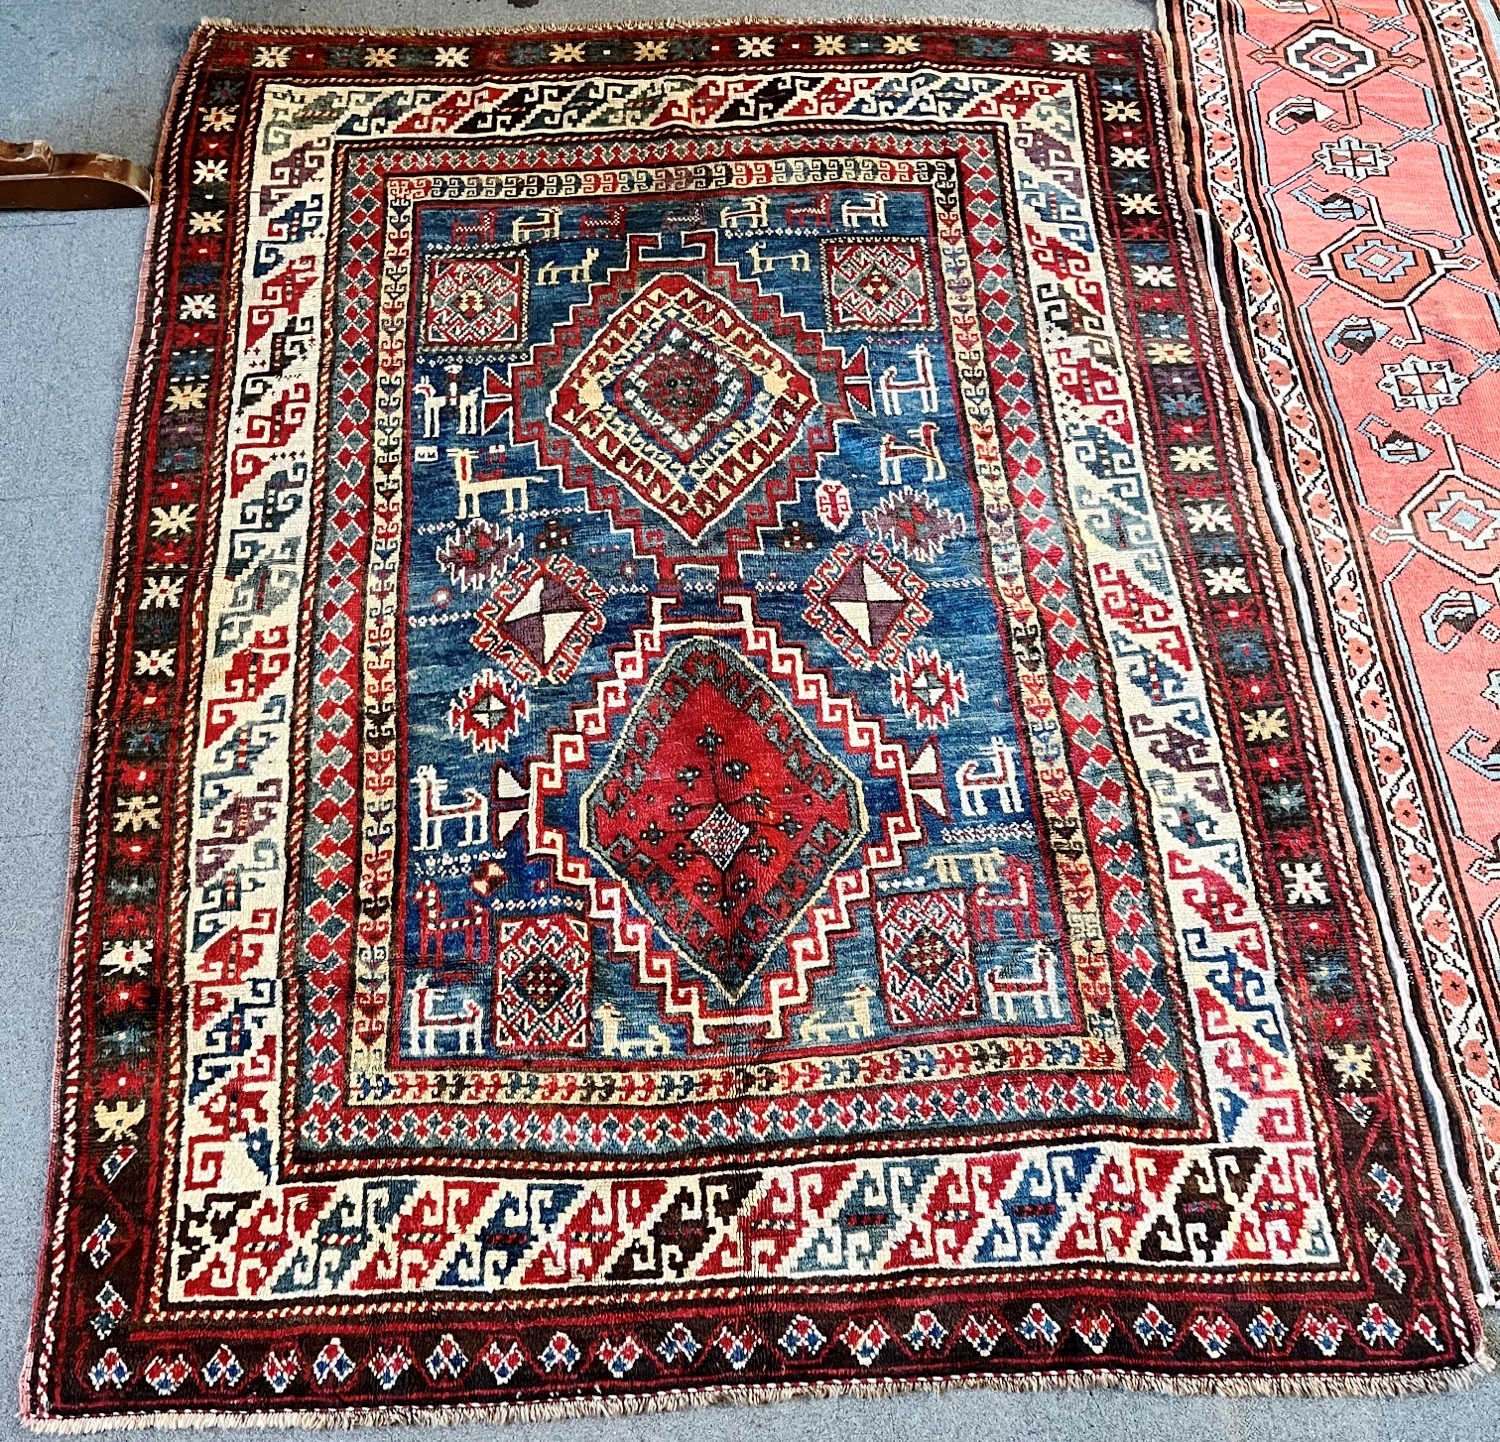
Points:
x=36 y=177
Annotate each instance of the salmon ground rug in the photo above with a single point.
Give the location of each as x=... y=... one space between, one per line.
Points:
x=705 y=779
x=1348 y=158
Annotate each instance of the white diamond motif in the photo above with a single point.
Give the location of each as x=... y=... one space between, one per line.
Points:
x=719 y=837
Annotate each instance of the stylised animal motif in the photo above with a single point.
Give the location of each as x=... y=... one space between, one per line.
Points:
x=819 y=1028
x=471 y=926
x=894 y=456
x=429 y=1025
x=871 y=208
x=820 y=212
x=472 y=483
x=974 y=781
x=685 y=215
x=465 y=403
x=434 y=813
x=763 y=264
x=480 y=232
x=615 y=1043
x=1016 y=899
x=747 y=214
x=433 y=402
x=986 y=866
x=922 y=385
x=610 y=224
x=544 y=225
x=581 y=274
x=1041 y=986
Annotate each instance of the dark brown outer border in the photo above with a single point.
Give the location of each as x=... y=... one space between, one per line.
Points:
x=127 y=470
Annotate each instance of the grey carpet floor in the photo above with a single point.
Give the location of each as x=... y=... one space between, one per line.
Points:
x=93 y=75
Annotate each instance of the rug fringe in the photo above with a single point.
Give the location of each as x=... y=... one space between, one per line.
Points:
x=1233 y=1385
x=675 y=27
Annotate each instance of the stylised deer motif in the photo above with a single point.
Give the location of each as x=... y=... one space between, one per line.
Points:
x=818 y=1028
x=544 y=225
x=820 y=212
x=871 y=208
x=434 y=813
x=476 y=232
x=763 y=264
x=429 y=1025
x=434 y=927
x=610 y=224
x=1016 y=899
x=581 y=274
x=472 y=483
x=923 y=385
x=746 y=214
x=974 y=781
x=616 y=1043
x=433 y=402
x=1041 y=986
x=894 y=456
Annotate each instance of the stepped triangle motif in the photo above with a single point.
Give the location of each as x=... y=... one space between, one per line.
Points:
x=868 y=603
x=542 y=619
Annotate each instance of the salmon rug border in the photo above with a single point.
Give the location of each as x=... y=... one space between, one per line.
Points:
x=1359 y=433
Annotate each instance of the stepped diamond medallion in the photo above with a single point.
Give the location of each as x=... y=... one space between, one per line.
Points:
x=868 y=603
x=721 y=812
x=541 y=619
x=1331 y=57
x=684 y=402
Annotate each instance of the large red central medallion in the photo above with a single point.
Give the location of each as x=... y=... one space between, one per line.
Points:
x=721 y=812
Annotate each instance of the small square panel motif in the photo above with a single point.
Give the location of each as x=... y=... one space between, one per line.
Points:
x=541 y=984
x=926 y=962
x=876 y=285
x=475 y=301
